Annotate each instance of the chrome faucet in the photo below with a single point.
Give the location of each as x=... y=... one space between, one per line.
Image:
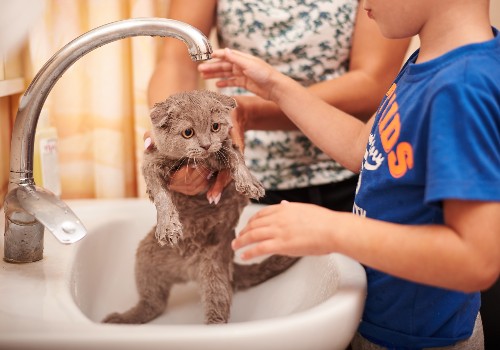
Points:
x=29 y=208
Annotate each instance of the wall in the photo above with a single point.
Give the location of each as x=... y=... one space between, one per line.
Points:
x=495 y=12
x=11 y=85
x=99 y=105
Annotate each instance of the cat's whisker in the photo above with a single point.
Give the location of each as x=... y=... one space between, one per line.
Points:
x=197 y=166
x=218 y=157
x=204 y=166
x=187 y=170
x=229 y=149
x=223 y=158
x=177 y=165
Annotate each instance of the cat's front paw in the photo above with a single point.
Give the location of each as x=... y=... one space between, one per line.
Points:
x=251 y=188
x=168 y=232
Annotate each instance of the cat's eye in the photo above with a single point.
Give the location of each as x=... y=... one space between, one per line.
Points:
x=215 y=127
x=188 y=133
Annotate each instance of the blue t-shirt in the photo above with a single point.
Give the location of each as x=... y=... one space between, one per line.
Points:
x=436 y=136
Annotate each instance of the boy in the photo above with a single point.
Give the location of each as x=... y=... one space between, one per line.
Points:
x=427 y=227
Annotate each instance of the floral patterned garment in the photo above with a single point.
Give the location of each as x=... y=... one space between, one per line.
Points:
x=308 y=40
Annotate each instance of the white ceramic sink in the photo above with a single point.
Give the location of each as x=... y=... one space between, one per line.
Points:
x=58 y=302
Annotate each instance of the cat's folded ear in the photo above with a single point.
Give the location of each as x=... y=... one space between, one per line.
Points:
x=225 y=100
x=162 y=112
x=228 y=101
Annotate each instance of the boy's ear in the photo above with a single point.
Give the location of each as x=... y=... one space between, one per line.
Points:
x=162 y=112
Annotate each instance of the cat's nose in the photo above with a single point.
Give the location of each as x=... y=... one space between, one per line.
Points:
x=205 y=147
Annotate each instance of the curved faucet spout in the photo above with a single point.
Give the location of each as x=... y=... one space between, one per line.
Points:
x=21 y=159
x=21 y=220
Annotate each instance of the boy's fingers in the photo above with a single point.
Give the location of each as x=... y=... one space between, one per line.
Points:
x=221 y=68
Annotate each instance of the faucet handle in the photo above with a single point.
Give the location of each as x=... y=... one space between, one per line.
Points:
x=51 y=212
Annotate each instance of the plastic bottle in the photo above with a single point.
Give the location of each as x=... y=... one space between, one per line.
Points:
x=45 y=156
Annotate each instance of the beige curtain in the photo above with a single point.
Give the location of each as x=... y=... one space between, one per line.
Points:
x=99 y=106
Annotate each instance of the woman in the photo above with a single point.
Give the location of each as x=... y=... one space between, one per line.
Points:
x=330 y=46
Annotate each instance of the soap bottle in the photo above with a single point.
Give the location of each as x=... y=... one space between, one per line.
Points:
x=45 y=156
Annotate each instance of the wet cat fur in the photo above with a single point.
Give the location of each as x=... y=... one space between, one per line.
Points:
x=192 y=238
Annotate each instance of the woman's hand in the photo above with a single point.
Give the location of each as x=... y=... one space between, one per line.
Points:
x=192 y=181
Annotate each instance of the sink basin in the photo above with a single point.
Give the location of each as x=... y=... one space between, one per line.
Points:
x=58 y=302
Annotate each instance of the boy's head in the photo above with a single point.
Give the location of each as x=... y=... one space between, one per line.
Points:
x=398 y=19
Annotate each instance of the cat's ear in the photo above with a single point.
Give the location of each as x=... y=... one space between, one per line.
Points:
x=162 y=112
x=227 y=101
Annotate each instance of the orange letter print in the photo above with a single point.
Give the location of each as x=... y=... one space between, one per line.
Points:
x=389 y=128
x=400 y=161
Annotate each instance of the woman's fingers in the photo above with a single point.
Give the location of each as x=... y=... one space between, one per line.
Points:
x=189 y=181
x=148 y=140
x=214 y=193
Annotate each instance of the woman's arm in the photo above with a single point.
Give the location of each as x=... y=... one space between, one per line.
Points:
x=175 y=71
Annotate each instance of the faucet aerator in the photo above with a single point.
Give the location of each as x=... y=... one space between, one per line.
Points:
x=201 y=57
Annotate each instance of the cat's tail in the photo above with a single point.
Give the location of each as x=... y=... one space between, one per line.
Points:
x=246 y=276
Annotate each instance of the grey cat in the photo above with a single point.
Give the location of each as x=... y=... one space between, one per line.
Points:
x=193 y=128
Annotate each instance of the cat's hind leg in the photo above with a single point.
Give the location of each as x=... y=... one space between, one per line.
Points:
x=150 y=306
x=214 y=279
x=153 y=285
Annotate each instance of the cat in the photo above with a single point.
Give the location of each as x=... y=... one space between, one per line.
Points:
x=192 y=237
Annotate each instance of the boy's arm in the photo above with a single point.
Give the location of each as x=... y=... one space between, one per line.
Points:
x=374 y=62
x=463 y=254
x=337 y=133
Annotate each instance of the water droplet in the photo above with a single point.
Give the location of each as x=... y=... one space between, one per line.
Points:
x=68 y=227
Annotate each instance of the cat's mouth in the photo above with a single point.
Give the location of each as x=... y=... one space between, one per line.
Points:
x=203 y=153
x=198 y=155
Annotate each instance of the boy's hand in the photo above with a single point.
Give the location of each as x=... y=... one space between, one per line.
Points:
x=236 y=68
x=294 y=229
